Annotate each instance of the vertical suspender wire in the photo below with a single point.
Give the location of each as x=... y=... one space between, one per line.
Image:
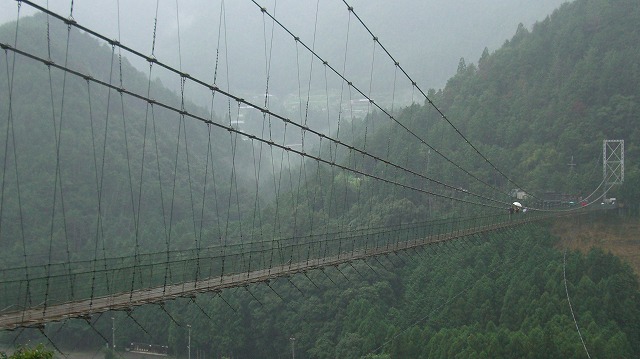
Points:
x=209 y=159
x=167 y=271
x=309 y=200
x=327 y=201
x=158 y=169
x=142 y=161
x=319 y=175
x=306 y=114
x=343 y=218
x=393 y=100
x=256 y=202
x=223 y=16
x=99 y=229
x=369 y=104
x=186 y=149
x=326 y=204
x=277 y=184
x=9 y=128
x=294 y=194
x=276 y=234
x=333 y=148
x=303 y=168
x=58 y=176
x=215 y=191
x=209 y=156
x=352 y=161
x=368 y=115
x=258 y=166
x=268 y=59
x=64 y=216
x=295 y=199
x=126 y=139
x=233 y=182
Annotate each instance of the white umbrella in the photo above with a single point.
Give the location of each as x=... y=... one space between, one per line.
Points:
x=517 y=204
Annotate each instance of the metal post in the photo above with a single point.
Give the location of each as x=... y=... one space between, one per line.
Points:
x=293 y=347
x=113 y=334
x=189 y=342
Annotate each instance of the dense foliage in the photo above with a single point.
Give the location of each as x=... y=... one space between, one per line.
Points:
x=497 y=297
x=39 y=352
x=101 y=170
x=547 y=95
x=554 y=93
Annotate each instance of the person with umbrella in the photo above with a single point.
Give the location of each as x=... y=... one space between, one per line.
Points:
x=517 y=206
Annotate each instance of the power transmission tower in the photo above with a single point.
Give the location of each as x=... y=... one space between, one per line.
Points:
x=571 y=165
x=612 y=164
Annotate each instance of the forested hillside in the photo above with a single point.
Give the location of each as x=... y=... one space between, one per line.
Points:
x=91 y=172
x=550 y=93
x=548 y=97
x=501 y=296
x=555 y=92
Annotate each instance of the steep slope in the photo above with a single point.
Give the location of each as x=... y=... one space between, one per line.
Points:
x=554 y=93
x=548 y=97
x=91 y=171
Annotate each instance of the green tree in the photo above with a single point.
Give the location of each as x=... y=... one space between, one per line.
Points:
x=23 y=352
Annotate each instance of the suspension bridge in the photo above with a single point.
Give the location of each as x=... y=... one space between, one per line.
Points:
x=122 y=283
x=122 y=194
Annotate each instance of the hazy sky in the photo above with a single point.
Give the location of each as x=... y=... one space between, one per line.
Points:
x=427 y=37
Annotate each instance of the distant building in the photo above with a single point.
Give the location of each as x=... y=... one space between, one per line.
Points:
x=149 y=349
x=519 y=194
x=359 y=107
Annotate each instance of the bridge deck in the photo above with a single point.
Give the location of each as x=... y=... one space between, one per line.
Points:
x=83 y=308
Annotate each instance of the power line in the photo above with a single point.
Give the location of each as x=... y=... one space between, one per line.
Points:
x=444 y=117
x=564 y=276
x=304 y=128
x=253 y=137
x=371 y=101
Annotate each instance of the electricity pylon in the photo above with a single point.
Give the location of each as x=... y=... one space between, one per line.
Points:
x=612 y=164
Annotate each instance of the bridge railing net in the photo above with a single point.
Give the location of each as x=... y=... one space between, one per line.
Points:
x=56 y=283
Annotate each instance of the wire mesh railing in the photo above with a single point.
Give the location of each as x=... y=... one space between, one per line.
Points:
x=164 y=275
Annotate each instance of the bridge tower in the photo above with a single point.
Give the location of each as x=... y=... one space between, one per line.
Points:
x=612 y=164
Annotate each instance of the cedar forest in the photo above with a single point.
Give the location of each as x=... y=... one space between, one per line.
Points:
x=549 y=94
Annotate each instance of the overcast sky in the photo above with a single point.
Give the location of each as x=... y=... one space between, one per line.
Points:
x=427 y=37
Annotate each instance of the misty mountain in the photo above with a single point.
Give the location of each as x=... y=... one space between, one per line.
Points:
x=93 y=171
x=550 y=94
x=426 y=37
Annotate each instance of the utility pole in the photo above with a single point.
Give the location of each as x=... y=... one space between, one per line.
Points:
x=113 y=333
x=189 y=342
x=293 y=347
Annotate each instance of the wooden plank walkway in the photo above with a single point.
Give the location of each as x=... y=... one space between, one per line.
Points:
x=84 y=308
